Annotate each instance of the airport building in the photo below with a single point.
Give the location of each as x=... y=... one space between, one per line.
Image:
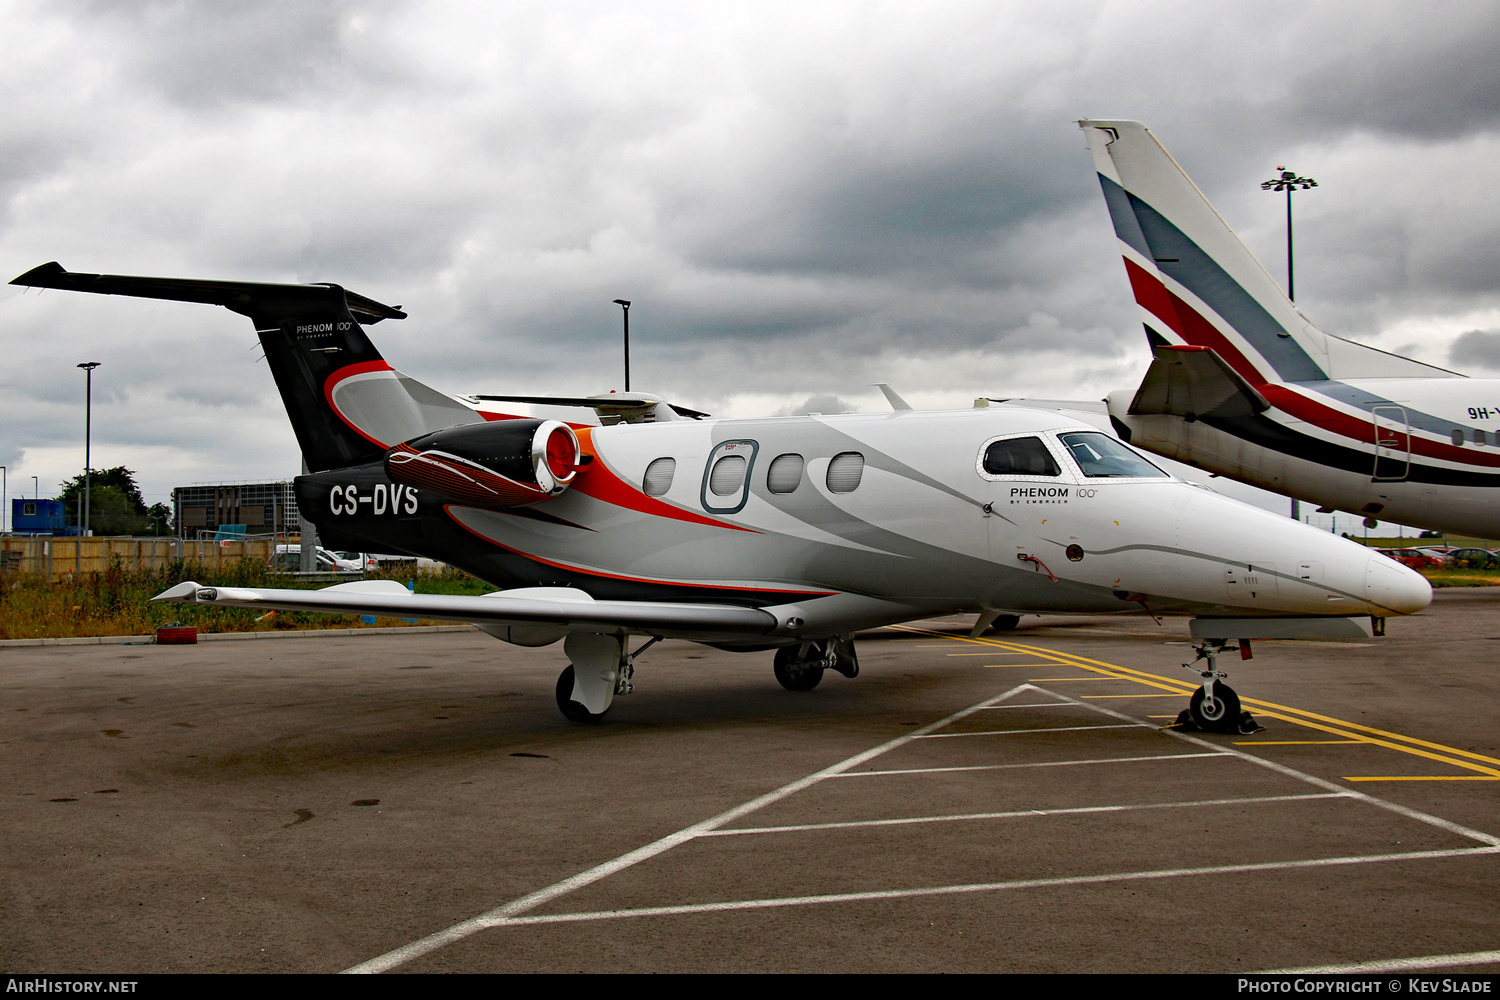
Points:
x=235 y=508
x=39 y=517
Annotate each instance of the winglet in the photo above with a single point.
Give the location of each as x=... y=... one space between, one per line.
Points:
x=184 y=593
x=897 y=403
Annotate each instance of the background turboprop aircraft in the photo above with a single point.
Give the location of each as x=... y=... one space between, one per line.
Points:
x=1243 y=385
x=786 y=533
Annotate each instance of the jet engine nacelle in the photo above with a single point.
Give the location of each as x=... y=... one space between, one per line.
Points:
x=508 y=463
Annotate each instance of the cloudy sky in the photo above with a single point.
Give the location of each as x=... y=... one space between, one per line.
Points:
x=800 y=198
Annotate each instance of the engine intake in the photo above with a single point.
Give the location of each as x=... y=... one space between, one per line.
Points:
x=509 y=463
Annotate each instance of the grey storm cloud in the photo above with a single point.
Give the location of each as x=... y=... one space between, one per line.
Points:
x=800 y=199
x=1480 y=348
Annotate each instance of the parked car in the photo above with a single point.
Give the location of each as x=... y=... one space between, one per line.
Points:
x=1414 y=558
x=1473 y=559
x=290 y=557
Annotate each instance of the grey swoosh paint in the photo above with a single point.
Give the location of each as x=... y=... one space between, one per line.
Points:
x=1181 y=259
x=1172 y=550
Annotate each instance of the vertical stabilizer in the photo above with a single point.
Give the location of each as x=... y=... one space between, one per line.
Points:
x=347 y=406
x=1198 y=284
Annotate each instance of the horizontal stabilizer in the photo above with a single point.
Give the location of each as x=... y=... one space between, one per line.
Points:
x=255 y=299
x=391 y=600
x=347 y=405
x=632 y=407
x=1195 y=382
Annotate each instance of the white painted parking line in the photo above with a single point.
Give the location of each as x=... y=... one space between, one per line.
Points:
x=1030 y=704
x=500 y=914
x=1024 y=814
x=1050 y=729
x=953 y=890
x=1409 y=813
x=513 y=913
x=1044 y=763
x=1394 y=964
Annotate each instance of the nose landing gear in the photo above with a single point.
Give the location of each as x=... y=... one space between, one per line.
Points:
x=1214 y=707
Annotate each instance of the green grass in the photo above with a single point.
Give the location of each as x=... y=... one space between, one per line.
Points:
x=118 y=601
x=1461 y=577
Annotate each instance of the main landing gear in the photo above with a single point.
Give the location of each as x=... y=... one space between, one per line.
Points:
x=801 y=667
x=1214 y=707
x=600 y=670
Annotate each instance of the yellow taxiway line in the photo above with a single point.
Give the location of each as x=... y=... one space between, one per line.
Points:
x=1487 y=768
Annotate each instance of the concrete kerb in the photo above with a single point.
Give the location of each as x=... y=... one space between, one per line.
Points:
x=137 y=640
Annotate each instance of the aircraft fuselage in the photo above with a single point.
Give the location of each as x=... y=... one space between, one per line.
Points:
x=921 y=529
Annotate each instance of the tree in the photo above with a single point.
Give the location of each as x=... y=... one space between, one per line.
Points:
x=161 y=519
x=116 y=506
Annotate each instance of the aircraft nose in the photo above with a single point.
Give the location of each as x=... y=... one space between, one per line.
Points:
x=1392 y=586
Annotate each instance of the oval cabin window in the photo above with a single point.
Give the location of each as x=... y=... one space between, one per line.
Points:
x=785 y=474
x=728 y=476
x=659 y=476
x=844 y=472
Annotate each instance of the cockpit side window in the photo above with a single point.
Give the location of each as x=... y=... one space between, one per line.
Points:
x=1026 y=456
x=1102 y=457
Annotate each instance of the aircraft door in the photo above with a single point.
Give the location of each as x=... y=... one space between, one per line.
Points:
x=726 y=477
x=1392 y=444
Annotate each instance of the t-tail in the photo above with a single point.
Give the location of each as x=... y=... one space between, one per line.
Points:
x=1198 y=285
x=346 y=404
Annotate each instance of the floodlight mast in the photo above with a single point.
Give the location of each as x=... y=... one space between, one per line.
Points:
x=88 y=433
x=1288 y=182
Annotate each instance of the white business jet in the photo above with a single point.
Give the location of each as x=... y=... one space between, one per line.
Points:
x=789 y=533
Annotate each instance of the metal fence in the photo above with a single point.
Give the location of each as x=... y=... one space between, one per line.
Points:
x=56 y=557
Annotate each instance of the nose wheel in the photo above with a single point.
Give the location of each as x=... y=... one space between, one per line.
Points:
x=1214 y=712
x=1214 y=706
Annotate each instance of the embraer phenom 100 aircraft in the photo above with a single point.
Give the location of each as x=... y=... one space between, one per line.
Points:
x=1243 y=385
x=789 y=533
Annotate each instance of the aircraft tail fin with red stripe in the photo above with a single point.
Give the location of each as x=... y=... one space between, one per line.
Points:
x=1197 y=284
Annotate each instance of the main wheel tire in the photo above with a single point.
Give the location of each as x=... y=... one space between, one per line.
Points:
x=792 y=675
x=1223 y=715
x=572 y=710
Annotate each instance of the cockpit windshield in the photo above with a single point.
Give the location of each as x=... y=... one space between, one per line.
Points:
x=1101 y=456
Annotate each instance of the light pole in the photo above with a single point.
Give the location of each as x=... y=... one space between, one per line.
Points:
x=88 y=434
x=1289 y=182
x=624 y=305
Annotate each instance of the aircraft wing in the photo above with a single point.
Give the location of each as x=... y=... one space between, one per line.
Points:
x=1187 y=381
x=543 y=606
x=1088 y=411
